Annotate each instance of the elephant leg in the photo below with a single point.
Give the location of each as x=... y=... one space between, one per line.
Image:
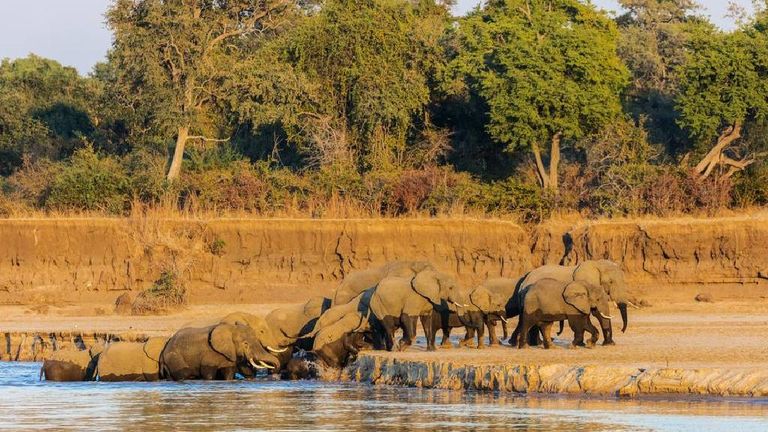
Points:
x=209 y=373
x=480 y=336
x=515 y=337
x=446 y=342
x=430 y=332
x=594 y=333
x=492 y=338
x=388 y=325
x=576 y=323
x=409 y=331
x=226 y=374
x=605 y=325
x=525 y=325
x=533 y=335
x=469 y=335
x=546 y=334
x=505 y=330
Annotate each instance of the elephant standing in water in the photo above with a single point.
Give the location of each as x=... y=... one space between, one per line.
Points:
x=398 y=302
x=344 y=330
x=602 y=273
x=548 y=300
x=359 y=281
x=273 y=341
x=72 y=365
x=131 y=361
x=215 y=352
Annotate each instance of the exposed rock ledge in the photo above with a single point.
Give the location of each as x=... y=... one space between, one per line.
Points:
x=559 y=378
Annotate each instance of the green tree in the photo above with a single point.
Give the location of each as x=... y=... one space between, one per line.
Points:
x=548 y=70
x=370 y=64
x=172 y=56
x=46 y=110
x=652 y=44
x=724 y=85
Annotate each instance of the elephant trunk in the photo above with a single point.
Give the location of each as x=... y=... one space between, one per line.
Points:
x=624 y=320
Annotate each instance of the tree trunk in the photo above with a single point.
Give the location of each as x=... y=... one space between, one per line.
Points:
x=554 y=161
x=548 y=178
x=178 y=153
x=540 y=170
x=715 y=156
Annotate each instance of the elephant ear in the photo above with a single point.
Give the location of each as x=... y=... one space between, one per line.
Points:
x=427 y=284
x=482 y=299
x=221 y=340
x=349 y=323
x=577 y=295
x=153 y=347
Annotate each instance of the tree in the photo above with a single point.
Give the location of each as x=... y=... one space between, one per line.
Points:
x=46 y=110
x=172 y=56
x=548 y=70
x=724 y=86
x=370 y=65
x=652 y=44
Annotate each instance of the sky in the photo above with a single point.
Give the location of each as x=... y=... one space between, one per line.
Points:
x=73 y=31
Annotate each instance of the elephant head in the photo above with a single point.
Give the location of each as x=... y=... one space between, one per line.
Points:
x=239 y=344
x=586 y=297
x=269 y=339
x=440 y=289
x=337 y=341
x=608 y=275
x=489 y=303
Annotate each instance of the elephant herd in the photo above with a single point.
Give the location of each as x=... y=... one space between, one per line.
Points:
x=365 y=312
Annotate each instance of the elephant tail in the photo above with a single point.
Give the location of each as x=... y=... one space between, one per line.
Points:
x=562 y=324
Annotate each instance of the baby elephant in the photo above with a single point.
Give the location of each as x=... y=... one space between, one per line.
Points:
x=72 y=365
x=548 y=301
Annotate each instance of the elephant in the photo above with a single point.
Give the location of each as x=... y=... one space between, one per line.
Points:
x=131 y=361
x=343 y=330
x=72 y=365
x=271 y=339
x=294 y=323
x=602 y=273
x=214 y=352
x=549 y=300
x=483 y=310
x=359 y=281
x=398 y=302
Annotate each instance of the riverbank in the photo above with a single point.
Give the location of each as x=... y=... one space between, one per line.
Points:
x=672 y=348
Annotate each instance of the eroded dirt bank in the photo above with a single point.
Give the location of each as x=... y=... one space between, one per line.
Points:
x=54 y=261
x=600 y=380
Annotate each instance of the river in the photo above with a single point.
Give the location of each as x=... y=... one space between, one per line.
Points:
x=28 y=404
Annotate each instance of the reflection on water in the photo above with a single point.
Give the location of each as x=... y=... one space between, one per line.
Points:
x=26 y=403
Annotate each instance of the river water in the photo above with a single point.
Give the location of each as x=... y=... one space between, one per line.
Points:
x=28 y=404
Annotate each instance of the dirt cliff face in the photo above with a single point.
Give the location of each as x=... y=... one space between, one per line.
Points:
x=265 y=261
x=282 y=261
x=683 y=251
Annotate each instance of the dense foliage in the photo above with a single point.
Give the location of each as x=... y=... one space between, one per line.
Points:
x=394 y=107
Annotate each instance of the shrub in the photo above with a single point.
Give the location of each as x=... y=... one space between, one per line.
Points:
x=511 y=196
x=89 y=182
x=165 y=295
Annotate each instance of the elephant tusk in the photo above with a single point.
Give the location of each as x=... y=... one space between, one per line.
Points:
x=502 y=318
x=255 y=366
x=633 y=305
x=276 y=350
x=265 y=365
x=605 y=316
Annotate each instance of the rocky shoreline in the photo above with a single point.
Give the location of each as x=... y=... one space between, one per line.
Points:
x=618 y=381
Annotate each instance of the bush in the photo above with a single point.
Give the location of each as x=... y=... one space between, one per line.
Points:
x=165 y=295
x=89 y=182
x=511 y=196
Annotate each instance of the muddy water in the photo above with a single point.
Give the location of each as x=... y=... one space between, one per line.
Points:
x=27 y=404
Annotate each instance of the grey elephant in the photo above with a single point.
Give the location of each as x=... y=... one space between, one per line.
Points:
x=214 y=352
x=271 y=339
x=399 y=302
x=131 y=361
x=344 y=330
x=548 y=300
x=72 y=364
x=359 y=281
x=603 y=273
x=483 y=310
x=292 y=324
